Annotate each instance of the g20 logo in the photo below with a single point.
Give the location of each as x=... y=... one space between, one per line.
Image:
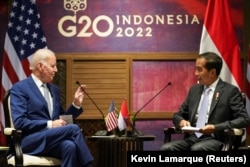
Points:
x=70 y=26
x=75 y=5
x=72 y=29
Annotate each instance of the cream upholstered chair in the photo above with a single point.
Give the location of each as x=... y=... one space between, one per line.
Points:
x=16 y=156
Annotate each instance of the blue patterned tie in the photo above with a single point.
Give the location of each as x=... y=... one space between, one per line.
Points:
x=203 y=112
x=46 y=96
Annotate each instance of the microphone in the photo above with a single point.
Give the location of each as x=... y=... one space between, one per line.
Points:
x=134 y=131
x=101 y=132
x=77 y=82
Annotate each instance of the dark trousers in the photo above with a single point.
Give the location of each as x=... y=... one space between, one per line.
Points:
x=192 y=143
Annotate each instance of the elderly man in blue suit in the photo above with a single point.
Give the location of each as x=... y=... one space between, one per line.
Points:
x=43 y=132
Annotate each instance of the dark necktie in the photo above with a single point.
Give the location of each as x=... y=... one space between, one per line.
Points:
x=203 y=112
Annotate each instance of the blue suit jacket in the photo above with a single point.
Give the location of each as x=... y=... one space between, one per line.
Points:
x=30 y=113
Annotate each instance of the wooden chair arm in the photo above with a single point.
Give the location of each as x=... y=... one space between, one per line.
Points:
x=233 y=139
x=234 y=132
x=15 y=144
x=168 y=133
x=8 y=131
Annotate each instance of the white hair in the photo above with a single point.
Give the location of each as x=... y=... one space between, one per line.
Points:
x=40 y=56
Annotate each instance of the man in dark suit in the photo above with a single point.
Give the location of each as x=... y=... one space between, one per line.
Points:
x=224 y=105
x=43 y=132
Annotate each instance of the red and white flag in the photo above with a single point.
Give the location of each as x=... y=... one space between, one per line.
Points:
x=248 y=88
x=218 y=36
x=23 y=37
x=124 y=117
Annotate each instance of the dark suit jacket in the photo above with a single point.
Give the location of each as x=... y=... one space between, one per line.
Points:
x=227 y=108
x=30 y=112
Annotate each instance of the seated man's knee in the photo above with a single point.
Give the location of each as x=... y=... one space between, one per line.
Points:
x=197 y=147
x=68 y=146
x=166 y=147
x=74 y=127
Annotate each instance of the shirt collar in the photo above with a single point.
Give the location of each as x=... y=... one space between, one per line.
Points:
x=213 y=85
x=37 y=81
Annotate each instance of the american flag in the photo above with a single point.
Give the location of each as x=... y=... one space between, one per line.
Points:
x=112 y=121
x=23 y=37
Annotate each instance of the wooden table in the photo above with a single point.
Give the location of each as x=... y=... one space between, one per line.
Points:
x=112 y=150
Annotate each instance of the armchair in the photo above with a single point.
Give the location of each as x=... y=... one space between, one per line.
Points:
x=233 y=137
x=15 y=156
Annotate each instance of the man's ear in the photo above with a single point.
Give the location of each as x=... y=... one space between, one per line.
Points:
x=39 y=66
x=213 y=71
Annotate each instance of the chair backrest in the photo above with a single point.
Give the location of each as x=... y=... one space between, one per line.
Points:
x=7 y=114
x=14 y=140
x=7 y=110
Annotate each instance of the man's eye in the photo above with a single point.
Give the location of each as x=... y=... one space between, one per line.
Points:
x=199 y=69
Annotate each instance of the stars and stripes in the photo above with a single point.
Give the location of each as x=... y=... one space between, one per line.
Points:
x=111 y=122
x=23 y=37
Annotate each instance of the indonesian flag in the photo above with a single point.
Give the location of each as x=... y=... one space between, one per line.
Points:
x=218 y=36
x=124 y=118
x=248 y=88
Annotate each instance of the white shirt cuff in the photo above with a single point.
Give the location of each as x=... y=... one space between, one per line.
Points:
x=49 y=124
x=78 y=107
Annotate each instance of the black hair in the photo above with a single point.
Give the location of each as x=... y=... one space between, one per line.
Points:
x=213 y=61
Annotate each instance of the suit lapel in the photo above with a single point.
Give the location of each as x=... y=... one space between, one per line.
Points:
x=197 y=101
x=216 y=97
x=37 y=92
x=35 y=89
